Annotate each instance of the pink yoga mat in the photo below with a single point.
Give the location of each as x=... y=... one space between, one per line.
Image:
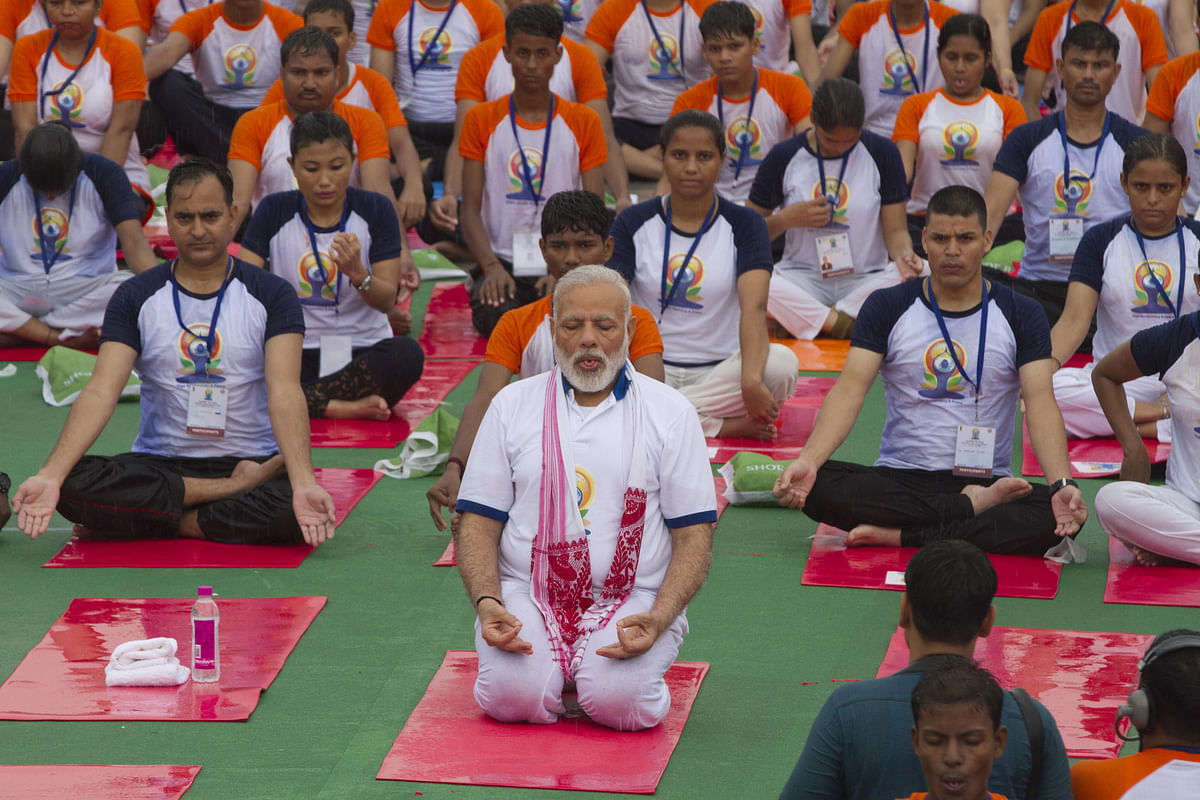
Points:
x=831 y=563
x=345 y=486
x=63 y=676
x=1090 y=458
x=447 y=331
x=1129 y=582
x=447 y=739
x=437 y=380
x=1080 y=677
x=796 y=420
x=818 y=355
x=95 y=781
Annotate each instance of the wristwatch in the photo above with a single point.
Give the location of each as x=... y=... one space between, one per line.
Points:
x=365 y=285
x=1062 y=483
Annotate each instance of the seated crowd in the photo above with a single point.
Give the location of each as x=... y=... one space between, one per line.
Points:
x=849 y=187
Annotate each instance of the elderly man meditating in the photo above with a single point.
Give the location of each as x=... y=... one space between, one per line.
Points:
x=587 y=524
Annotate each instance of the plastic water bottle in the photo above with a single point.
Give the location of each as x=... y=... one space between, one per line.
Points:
x=206 y=655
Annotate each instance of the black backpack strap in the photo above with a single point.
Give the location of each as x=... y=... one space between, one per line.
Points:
x=1037 y=739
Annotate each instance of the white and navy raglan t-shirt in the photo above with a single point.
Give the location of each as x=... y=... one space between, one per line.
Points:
x=698 y=319
x=1172 y=352
x=873 y=178
x=256 y=307
x=1136 y=291
x=84 y=234
x=1033 y=156
x=278 y=234
x=926 y=395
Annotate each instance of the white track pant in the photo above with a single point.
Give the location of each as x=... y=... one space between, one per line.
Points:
x=716 y=392
x=1155 y=518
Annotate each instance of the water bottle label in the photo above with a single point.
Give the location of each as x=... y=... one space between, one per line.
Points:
x=204 y=648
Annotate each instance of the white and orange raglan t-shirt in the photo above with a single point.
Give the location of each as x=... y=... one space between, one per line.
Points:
x=773 y=28
x=159 y=15
x=1175 y=96
x=486 y=75
x=365 y=89
x=515 y=189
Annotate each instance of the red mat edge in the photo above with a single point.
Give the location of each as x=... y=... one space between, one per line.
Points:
x=1115 y=567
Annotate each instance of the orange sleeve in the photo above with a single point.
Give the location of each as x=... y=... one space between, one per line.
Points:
x=1169 y=83
x=125 y=60
x=789 y=92
x=11 y=14
x=589 y=135
x=383 y=97
x=1145 y=25
x=284 y=21
x=119 y=14
x=22 y=70
x=646 y=338
x=197 y=24
x=252 y=131
x=274 y=94
x=1039 y=52
x=700 y=6
x=585 y=72
x=147 y=8
x=939 y=13
x=794 y=8
x=607 y=21
x=369 y=134
x=489 y=20
x=383 y=24
x=512 y=333
x=699 y=97
x=859 y=19
x=473 y=70
x=1013 y=111
x=908 y=118
x=478 y=126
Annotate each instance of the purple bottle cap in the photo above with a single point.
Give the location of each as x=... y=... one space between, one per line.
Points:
x=204 y=591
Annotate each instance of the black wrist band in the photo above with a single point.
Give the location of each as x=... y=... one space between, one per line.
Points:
x=488 y=597
x=1062 y=483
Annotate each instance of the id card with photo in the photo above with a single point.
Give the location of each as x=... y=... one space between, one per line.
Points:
x=1065 y=233
x=833 y=254
x=206 y=409
x=973 y=451
x=527 y=256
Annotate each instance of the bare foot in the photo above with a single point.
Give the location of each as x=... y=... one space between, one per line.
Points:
x=83 y=532
x=873 y=536
x=252 y=473
x=370 y=407
x=747 y=428
x=400 y=319
x=1148 y=559
x=1002 y=491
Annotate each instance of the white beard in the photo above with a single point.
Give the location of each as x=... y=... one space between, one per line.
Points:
x=589 y=382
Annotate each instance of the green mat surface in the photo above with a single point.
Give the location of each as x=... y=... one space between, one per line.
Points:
x=327 y=722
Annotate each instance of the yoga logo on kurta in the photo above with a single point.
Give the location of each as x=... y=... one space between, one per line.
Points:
x=525 y=175
x=193 y=352
x=67 y=103
x=942 y=378
x=744 y=141
x=572 y=10
x=585 y=488
x=56 y=226
x=1153 y=281
x=663 y=65
x=960 y=139
x=898 y=68
x=690 y=280
x=240 y=61
x=1071 y=197
x=1196 y=148
x=435 y=52
x=838 y=195
x=758 y=23
x=318 y=280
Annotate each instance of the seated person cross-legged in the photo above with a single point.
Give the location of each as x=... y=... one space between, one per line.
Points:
x=317 y=239
x=954 y=351
x=590 y=585
x=222 y=450
x=574 y=233
x=702 y=265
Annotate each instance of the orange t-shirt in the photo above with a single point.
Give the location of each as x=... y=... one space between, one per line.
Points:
x=366 y=89
x=22 y=17
x=484 y=75
x=1156 y=772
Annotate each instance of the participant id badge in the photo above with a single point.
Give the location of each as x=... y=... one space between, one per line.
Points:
x=833 y=254
x=973 y=451
x=335 y=353
x=527 y=256
x=206 y=410
x=1065 y=233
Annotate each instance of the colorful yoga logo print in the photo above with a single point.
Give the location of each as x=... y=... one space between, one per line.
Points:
x=240 y=62
x=960 y=140
x=525 y=185
x=898 y=68
x=67 y=104
x=1071 y=198
x=1152 y=280
x=55 y=228
x=758 y=23
x=193 y=351
x=744 y=142
x=1196 y=147
x=436 y=53
x=585 y=489
x=664 y=64
x=572 y=10
x=838 y=195
x=317 y=287
x=941 y=374
x=688 y=293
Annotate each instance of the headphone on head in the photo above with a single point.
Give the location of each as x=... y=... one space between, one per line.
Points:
x=1139 y=707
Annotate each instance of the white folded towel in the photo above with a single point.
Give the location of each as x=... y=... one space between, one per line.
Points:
x=146 y=662
x=171 y=674
x=129 y=653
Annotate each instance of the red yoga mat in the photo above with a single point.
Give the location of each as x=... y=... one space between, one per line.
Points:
x=796 y=420
x=96 y=781
x=447 y=331
x=818 y=355
x=63 y=676
x=1131 y=583
x=1090 y=458
x=23 y=353
x=345 y=486
x=1081 y=677
x=438 y=379
x=831 y=563
x=447 y=739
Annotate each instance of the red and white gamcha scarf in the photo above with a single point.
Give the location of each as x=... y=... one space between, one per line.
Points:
x=561 y=569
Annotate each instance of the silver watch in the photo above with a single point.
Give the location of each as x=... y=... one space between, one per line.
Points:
x=365 y=285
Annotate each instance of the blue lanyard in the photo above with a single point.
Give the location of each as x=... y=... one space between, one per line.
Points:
x=665 y=297
x=904 y=53
x=526 y=178
x=837 y=193
x=1103 y=19
x=1062 y=133
x=977 y=385
x=210 y=340
x=46 y=65
x=312 y=239
x=1175 y=307
x=741 y=159
x=48 y=259
x=658 y=39
x=433 y=43
x=1196 y=323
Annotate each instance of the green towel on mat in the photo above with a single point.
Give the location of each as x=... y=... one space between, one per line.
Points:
x=1003 y=257
x=64 y=372
x=425 y=451
x=750 y=477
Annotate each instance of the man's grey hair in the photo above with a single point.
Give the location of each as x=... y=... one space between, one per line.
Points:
x=590 y=275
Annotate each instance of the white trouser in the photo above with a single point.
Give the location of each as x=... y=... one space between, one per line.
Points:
x=1155 y=518
x=800 y=300
x=73 y=304
x=627 y=694
x=716 y=391
x=1081 y=412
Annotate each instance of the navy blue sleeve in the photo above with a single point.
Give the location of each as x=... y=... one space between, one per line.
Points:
x=121 y=315
x=268 y=219
x=751 y=241
x=387 y=240
x=1088 y=266
x=1124 y=131
x=120 y=201
x=879 y=314
x=1018 y=146
x=767 y=189
x=628 y=223
x=1156 y=349
x=10 y=176
x=1030 y=329
x=284 y=312
x=893 y=185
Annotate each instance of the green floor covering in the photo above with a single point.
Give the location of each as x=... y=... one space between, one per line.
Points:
x=328 y=720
